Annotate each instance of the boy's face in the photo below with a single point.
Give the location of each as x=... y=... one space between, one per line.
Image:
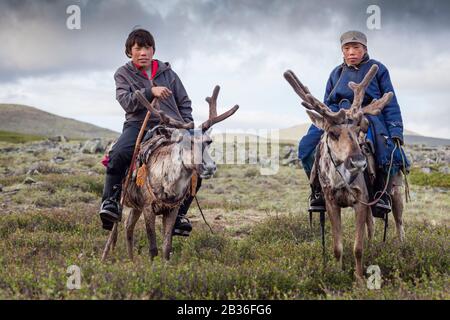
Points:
x=353 y=53
x=142 y=56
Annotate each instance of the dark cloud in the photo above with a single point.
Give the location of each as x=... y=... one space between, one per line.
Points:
x=243 y=44
x=35 y=39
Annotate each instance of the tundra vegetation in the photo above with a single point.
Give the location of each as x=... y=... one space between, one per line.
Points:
x=262 y=246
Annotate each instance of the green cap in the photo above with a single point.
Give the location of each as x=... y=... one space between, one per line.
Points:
x=353 y=36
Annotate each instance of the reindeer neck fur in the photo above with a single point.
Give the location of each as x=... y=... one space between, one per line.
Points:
x=168 y=177
x=333 y=186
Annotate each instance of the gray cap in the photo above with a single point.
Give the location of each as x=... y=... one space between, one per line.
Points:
x=353 y=36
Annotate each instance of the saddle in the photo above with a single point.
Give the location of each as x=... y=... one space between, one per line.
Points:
x=153 y=139
x=374 y=178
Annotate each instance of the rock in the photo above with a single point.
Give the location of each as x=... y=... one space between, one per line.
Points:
x=9 y=149
x=219 y=190
x=59 y=138
x=287 y=152
x=93 y=146
x=29 y=180
x=58 y=159
x=426 y=170
x=33 y=172
x=444 y=170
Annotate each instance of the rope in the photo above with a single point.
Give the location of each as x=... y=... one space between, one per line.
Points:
x=385 y=186
x=407 y=194
x=204 y=219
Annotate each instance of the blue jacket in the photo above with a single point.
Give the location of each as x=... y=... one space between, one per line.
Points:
x=383 y=127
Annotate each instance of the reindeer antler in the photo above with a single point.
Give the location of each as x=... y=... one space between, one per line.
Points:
x=164 y=118
x=312 y=103
x=375 y=107
x=213 y=117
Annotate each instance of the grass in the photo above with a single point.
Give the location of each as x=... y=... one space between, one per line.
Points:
x=281 y=259
x=262 y=246
x=432 y=179
x=13 y=137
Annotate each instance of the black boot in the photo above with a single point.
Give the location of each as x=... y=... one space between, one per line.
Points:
x=316 y=200
x=183 y=226
x=110 y=210
x=382 y=207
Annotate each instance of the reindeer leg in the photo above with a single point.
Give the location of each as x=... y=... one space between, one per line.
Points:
x=397 y=204
x=334 y=213
x=168 y=223
x=133 y=218
x=369 y=224
x=361 y=213
x=369 y=216
x=150 y=217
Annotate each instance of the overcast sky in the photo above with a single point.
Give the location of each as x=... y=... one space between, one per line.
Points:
x=244 y=46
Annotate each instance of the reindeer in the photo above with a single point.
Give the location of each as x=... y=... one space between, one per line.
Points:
x=176 y=159
x=340 y=163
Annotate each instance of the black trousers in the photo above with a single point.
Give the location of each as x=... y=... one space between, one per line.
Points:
x=120 y=159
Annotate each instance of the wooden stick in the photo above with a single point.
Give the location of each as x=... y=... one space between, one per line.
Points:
x=137 y=148
x=113 y=234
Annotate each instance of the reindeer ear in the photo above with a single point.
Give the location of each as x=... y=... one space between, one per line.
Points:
x=317 y=119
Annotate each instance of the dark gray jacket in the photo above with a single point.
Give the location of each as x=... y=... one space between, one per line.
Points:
x=129 y=79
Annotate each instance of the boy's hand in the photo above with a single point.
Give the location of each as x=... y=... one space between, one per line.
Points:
x=161 y=92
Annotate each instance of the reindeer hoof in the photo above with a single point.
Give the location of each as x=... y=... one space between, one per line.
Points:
x=360 y=280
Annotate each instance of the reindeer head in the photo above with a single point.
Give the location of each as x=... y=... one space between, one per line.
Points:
x=343 y=129
x=193 y=144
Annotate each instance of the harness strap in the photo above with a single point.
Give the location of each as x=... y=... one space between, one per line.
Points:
x=194 y=184
x=385 y=186
x=349 y=188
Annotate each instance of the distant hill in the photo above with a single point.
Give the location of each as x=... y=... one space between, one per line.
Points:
x=428 y=141
x=293 y=134
x=29 y=120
